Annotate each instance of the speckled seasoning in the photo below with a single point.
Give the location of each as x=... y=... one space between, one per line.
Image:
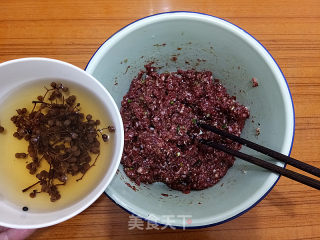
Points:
x=161 y=136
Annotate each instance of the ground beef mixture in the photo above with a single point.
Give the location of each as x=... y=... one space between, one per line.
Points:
x=160 y=112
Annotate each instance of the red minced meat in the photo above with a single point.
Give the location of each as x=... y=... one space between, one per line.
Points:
x=160 y=112
x=254 y=82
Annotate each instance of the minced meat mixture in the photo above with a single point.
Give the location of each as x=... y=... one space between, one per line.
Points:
x=160 y=112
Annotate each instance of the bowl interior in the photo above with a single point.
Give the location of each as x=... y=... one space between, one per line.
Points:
x=33 y=74
x=189 y=40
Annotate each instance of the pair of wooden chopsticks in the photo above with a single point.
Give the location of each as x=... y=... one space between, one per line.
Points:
x=276 y=155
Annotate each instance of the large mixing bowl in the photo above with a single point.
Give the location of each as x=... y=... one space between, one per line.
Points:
x=191 y=40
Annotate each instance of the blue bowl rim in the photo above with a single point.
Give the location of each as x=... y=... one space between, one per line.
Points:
x=293 y=134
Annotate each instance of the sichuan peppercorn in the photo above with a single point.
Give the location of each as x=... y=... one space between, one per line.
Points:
x=58 y=133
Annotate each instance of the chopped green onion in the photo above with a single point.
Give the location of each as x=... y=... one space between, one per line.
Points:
x=224 y=126
x=171 y=102
x=178 y=154
x=194 y=121
x=129 y=100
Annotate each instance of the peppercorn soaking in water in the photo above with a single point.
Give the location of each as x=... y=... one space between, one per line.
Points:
x=55 y=145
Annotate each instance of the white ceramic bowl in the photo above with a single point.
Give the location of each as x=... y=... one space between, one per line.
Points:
x=233 y=56
x=17 y=74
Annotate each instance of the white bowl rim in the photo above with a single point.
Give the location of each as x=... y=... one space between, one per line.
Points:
x=118 y=155
x=249 y=36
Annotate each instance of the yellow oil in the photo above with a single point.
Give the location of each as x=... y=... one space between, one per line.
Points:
x=13 y=173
